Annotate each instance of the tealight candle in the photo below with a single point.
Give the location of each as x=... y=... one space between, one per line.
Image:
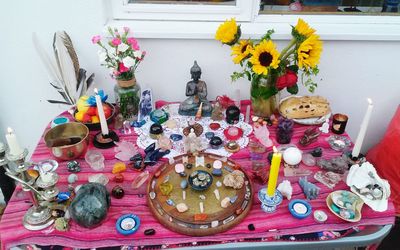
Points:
x=12 y=142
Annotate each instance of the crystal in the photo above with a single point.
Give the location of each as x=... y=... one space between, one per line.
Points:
x=150 y=148
x=317 y=152
x=73 y=166
x=336 y=164
x=152 y=195
x=200 y=217
x=72 y=178
x=225 y=202
x=140 y=180
x=117 y=192
x=217 y=164
x=119 y=178
x=286 y=189
x=182 y=174
x=209 y=135
x=179 y=168
x=98 y=178
x=216 y=172
x=89 y=207
x=182 y=207
x=262 y=134
x=184 y=184
x=233 y=199
x=176 y=137
x=164 y=143
x=217 y=195
x=119 y=167
x=308 y=160
x=137 y=160
x=218 y=184
x=284 y=131
x=170 y=202
x=214 y=223
x=63 y=196
x=125 y=150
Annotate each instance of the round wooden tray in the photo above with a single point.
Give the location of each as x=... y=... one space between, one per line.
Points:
x=218 y=219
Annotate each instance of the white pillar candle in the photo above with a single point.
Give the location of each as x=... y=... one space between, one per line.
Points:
x=247 y=118
x=363 y=130
x=102 y=117
x=12 y=142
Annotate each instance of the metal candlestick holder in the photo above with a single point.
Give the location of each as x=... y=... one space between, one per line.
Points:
x=360 y=159
x=105 y=141
x=269 y=204
x=38 y=216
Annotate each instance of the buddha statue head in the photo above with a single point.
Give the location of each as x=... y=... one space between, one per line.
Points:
x=195 y=71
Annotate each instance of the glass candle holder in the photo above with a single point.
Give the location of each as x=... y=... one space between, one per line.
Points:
x=339 y=123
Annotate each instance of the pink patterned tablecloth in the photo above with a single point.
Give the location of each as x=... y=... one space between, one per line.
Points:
x=267 y=225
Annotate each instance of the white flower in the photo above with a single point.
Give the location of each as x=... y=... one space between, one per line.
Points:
x=128 y=61
x=137 y=54
x=123 y=47
x=102 y=56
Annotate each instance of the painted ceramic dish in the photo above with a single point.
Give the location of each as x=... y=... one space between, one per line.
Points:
x=127 y=224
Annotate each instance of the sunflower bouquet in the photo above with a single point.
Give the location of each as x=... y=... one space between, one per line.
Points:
x=269 y=70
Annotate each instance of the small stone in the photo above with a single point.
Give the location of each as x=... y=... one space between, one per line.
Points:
x=137 y=161
x=179 y=168
x=149 y=232
x=208 y=165
x=73 y=166
x=230 y=170
x=184 y=184
x=238 y=211
x=225 y=202
x=117 y=192
x=170 y=202
x=217 y=195
x=308 y=160
x=216 y=172
x=57 y=213
x=182 y=207
x=176 y=137
x=251 y=227
x=99 y=178
x=119 y=167
x=171 y=161
x=214 y=126
x=61 y=224
x=218 y=184
x=157 y=174
x=189 y=165
x=63 y=196
x=233 y=199
x=152 y=195
x=72 y=178
x=317 y=152
x=119 y=178
x=202 y=197
x=214 y=223
x=200 y=217
x=217 y=164
x=182 y=174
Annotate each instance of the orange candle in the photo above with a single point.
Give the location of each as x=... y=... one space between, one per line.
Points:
x=274 y=172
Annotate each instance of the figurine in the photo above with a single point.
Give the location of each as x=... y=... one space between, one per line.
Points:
x=261 y=132
x=145 y=104
x=217 y=114
x=286 y=189
x=196 y=90
x=310 y=190
x=192 y=143
x=310 y=136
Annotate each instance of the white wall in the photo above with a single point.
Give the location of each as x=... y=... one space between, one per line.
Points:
x=351 y=71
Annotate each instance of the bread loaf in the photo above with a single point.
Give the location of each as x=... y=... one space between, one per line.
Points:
x=304 y=107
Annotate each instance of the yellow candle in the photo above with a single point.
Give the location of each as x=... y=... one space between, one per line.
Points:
x=274 y=172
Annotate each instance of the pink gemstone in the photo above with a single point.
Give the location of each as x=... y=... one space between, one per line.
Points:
x=214 y=126
x=179 y=168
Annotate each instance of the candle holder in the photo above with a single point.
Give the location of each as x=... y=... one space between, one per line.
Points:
x=7 y=185
x=105 y=141
x=351 y=160
x=269 y=204
x=18 y=166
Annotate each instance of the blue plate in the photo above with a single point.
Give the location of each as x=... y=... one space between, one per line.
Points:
x=127 y=224
x=303 y=208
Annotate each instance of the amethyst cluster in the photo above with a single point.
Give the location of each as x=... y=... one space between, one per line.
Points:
x=285 y=130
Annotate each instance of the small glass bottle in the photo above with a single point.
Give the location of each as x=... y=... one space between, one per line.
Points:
x=127 y=97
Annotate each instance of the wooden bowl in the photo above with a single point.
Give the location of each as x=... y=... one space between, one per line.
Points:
x=67 y=141
x=96 y=126
x=358 y=207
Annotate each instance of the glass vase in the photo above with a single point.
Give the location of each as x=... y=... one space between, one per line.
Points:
x=127 y=97
x=264 y=97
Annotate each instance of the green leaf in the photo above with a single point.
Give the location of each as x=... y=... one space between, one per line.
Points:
x=267 y=35
x=248 y=75
x=293 y=89
x=294 y=68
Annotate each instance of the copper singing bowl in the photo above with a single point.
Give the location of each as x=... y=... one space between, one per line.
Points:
x=67 y=141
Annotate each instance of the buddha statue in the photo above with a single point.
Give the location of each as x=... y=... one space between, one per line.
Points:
x=196 y=90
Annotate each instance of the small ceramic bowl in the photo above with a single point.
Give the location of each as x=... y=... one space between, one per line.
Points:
x=197 y=182
x=338 y=142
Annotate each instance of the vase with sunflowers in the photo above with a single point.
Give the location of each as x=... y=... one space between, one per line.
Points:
x=269 y=70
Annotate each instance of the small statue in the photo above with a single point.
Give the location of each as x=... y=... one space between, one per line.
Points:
x=196 y=90
x=192 y=143
x=310 y=190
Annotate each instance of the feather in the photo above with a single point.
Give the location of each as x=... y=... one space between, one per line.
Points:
x=71 y=51
x=89 y=81
x=51 y=68
x=59 y=102
x=81 y=83
x=65 y=65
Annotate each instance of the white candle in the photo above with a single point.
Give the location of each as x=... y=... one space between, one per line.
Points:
x=12 y=142
x=247 y=117
x=102 y=117
x=363 y=130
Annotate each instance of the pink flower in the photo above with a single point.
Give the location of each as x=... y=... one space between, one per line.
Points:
x=96 y=39
x=116 y=41
x=126 y=29
x=122 y=68
x=116 y=73
x=133 y=42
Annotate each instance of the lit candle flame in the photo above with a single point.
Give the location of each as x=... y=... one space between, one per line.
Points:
x=9 y=130
x=274 y=149
x=369 y=101
x=95 y=91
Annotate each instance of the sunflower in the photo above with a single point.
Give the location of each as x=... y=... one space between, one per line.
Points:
x=303 y=29
x=264 y=56
x=241 y=50
x=228 y=32
x=309 y=52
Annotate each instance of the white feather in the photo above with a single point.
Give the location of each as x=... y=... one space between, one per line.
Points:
x=65 y=65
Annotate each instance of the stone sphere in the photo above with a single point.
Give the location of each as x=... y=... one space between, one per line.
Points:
x=89 y=207
x=292 y=156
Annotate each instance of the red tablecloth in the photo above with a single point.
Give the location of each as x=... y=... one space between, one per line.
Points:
x=267 y=225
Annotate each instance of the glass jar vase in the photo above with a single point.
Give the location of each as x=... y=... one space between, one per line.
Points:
x=264 y=97
x=127 y=97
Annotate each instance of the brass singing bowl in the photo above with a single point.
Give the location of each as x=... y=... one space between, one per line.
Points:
x=67 y=141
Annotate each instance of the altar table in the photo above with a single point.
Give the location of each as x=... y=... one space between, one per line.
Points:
x=268 y=227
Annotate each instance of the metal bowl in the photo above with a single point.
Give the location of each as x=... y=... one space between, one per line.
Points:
x=200 y=185
x=67 y=141
x=96 y=126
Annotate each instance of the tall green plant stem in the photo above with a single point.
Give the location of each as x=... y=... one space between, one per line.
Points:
x=284 y=53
